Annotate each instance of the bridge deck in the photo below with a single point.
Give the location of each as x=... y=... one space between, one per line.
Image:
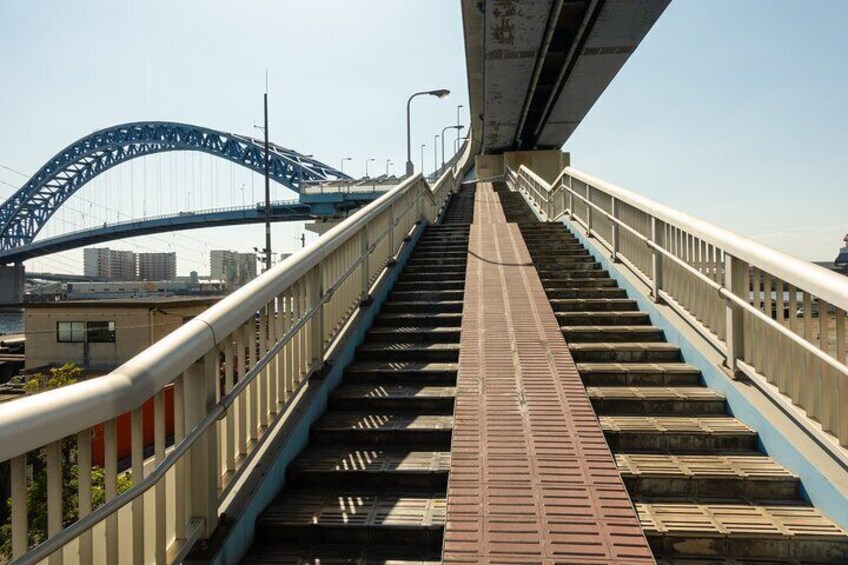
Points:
x=532 y=478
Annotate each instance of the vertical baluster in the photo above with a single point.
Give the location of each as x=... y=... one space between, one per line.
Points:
x=242 y=406
x=253 y=399
x=279 y=359
x=767 y=348
x=201 y=382
x=230 y=423
x=110 y=480
x=54 y=495
x=615 y=240
x=20 y=523
x=137 y=451
x=84 y=492
x=810 y=400
x=735 y=282
x=160 y=492
x=795 y=370
x=180 y=467
x=756 y=325
x=304 y=333
x=262 y=377
x=842 y=380
x=782 y=348
x=827 y=386
x=288 y=368
x=658 y=237
x=316 y=338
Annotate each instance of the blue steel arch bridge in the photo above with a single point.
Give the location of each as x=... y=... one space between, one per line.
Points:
x=29 y=209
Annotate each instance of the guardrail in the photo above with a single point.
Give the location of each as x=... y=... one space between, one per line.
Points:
x=755 y=304
x=231 y=371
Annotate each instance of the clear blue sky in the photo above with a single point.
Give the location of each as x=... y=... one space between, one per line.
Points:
x=731 y=110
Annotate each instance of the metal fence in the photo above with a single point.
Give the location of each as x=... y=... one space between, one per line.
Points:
x=773 y=316
x=222 y=379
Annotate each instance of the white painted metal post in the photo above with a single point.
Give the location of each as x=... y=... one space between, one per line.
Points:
x=20 y=524
x=588 y=212
x=658 y=237
x=616 y=240
x=84 y=492
x=734 y=280
x=200 y=381
x=315 y=292
x=364 y=270
x=54 y=495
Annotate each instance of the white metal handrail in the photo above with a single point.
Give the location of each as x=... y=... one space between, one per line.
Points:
x=233 y=370
x=744 y=297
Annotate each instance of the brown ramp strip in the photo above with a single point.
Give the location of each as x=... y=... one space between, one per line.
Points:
x=531 y=477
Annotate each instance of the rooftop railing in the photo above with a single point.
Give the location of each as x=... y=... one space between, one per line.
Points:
x=221 y=380
x=775 y=318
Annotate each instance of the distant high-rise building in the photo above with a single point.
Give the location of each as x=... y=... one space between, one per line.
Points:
x=109 y=264
x=232 y=267
x=157 y=266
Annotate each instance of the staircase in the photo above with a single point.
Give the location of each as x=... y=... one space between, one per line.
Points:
x=704 y=491
x=371 y=485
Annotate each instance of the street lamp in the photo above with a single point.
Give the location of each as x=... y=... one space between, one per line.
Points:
x=458 y=108
x=457 y=128
x=435 y=154
x=388 y=163
x=366 y=167
x=423 y=145
x=441 y=93
x=343 y=161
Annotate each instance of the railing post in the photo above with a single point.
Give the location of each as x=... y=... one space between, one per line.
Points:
x=734 y=277
x=314 y=293
x=200 y=381
x=658 y=237
x=364 y=270
x=616 y=239
x=588 y=213
x=20 y=523
x=570 y=199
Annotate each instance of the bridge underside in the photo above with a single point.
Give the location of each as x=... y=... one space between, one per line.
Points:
x=536 y=67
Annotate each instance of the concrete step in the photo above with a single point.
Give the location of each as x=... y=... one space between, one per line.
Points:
x=440 y=252
x=408 y=351
x=408 y=517
x=457 y=284
x=429 y=399
x=426 y=295
x=385 y=372
x=383 y=428
x=557 y=252
x=418 y=334
x=558 y=274
x=578 y=292
x=568 y=266
x=759 y=476
x=581 y=318
x=334 y=466
x=674 y=434
x=453 y=277
x=392 y=306
x=624 y=352
x=585 y=282
x=419 y=319
x=593 y=305
x=656 y=401
x=434 y=272
x=639 y=374
x=293 y=553
x=750 y=530
x=586 y=334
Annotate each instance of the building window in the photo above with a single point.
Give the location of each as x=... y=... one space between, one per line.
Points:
x=101 y=332
x=81 y=332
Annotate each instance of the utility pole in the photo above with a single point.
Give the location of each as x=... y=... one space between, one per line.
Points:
x=267 y=186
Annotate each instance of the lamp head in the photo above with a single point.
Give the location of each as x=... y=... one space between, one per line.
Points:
x=441 y=93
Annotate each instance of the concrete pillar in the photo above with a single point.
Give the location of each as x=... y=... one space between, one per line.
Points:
x=11 y=285
x=548 y=164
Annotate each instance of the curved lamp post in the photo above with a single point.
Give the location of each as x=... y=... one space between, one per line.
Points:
x=457 y=128
x=343 y=162
x=440 y=93
x=366 y=166
x=388 y=164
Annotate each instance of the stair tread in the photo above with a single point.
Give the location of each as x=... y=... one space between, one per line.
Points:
x=710 y=425
x=285 y=553
x=371 y=421
x=624 y=346
x=408 y=346
x=669 y=367
x=357 y=508
x=688 y=393
x=393 y=391
x=396 y=366
x=701 y=466
x=394 y=459
x=729 y=517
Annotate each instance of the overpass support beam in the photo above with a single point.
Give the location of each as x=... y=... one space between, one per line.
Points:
x=11 y=285
x=548 y=164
